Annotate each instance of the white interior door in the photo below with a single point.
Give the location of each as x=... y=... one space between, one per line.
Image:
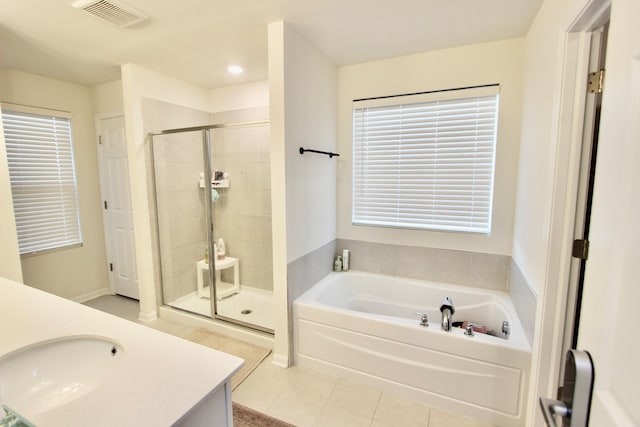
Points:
x=608 y=328
x=611 y=291
x=118 y=212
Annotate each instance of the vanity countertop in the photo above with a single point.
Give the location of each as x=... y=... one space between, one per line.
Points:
x=160 y=380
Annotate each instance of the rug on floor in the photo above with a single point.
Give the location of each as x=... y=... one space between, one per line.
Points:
x=247 y=417
x=252 y=354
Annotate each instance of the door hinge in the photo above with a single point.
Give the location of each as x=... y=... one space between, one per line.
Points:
x=596 y=82
x=580 y=249
x=105 y=205
x=99 y=139
x=110 y=266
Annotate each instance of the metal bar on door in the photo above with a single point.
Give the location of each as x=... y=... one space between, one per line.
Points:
x=208 y=210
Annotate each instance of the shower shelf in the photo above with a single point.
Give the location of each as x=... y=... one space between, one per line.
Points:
x=223 y=183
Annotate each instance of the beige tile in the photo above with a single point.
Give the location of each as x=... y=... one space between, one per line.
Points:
x=262 y=387
x=454 y=267
x=257 y=391
x=490 y=271
x=373 y=257
x=440 y=418
x=400 y=412
x=417 y=263
x=309 y=381
x=356 y=398
x=305 y=394
x=186 y=231
x=336 y=416
x=297 y=407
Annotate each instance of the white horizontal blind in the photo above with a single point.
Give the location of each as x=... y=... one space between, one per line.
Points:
x=43 y=181
x=426 y=161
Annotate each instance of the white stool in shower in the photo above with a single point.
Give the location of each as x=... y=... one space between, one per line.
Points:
x=223 y=264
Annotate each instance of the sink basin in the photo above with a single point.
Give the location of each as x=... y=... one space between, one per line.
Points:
x=48 y=374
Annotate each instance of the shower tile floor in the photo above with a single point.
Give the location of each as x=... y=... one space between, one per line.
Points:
x=307 y=398
x=257 y=302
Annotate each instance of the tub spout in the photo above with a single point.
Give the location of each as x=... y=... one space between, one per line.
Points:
x=447 y=310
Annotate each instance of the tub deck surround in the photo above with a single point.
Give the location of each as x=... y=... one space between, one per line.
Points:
x=362 y=326
x=161 y=379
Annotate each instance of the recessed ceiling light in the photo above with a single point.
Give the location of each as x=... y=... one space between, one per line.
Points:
x=235 y=69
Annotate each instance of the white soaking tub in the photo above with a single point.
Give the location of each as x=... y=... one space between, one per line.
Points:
x=363 y=327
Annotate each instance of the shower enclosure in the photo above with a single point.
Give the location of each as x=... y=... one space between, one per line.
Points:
x=210 y=183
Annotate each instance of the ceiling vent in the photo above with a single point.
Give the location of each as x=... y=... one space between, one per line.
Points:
x=111 y=11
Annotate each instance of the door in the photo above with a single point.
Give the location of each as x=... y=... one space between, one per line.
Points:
x=608 y=322
x=117 y=207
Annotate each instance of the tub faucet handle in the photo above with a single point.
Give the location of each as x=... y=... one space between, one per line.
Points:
x=424 y=320
x=506 y=329
x=469 y=331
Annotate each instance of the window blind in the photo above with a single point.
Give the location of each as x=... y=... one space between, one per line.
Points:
x=43 y=182
x=426 y=161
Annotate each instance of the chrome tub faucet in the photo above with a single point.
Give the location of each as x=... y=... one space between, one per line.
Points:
x=447 y=310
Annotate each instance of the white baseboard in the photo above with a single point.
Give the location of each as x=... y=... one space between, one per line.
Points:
x=280 y=360
x=91 y=295
x=148 y=317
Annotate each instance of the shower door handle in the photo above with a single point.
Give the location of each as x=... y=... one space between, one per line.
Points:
x=551 y=408
x=574 y=403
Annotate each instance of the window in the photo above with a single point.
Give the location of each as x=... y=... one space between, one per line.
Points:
x=426 y=161
x=42 y=175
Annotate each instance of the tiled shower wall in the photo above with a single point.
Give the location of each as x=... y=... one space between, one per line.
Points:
x=243 y=211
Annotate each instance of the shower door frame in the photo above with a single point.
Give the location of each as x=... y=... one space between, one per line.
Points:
x=208 y=208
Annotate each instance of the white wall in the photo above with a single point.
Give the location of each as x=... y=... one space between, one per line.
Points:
x=310 y=112
x=76 y=272
x=240 y=97
x=303 y=114
x=496 y=62
x=107 y=98
x=276 y=36
x=10 y=266
x=537 y=146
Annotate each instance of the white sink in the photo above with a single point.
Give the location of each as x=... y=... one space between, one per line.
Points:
x=48 y=374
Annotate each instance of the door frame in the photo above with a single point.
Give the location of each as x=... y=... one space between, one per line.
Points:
x=106 y=220
x=568 y=127
x=597 y=44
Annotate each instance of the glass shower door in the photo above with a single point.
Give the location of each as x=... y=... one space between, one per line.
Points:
x=212 y=185
x=181 y=220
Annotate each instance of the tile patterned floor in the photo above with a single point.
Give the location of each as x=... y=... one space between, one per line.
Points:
x=308 y=398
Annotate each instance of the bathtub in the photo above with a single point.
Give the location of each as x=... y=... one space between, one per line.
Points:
x=363 y=327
